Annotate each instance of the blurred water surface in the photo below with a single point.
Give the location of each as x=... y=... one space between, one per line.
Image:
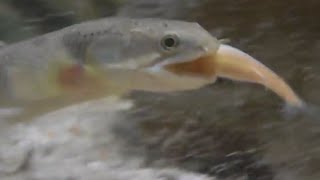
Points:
x=230 y=130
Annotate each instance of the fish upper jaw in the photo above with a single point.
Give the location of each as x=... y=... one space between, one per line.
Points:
x=187 y=57
x=181 y=58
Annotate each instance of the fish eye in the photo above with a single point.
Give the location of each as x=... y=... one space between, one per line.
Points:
x=169 y=42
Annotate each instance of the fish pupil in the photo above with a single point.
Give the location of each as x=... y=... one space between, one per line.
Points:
x=169 y=42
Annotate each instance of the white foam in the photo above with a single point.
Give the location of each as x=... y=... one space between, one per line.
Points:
x=76 y=142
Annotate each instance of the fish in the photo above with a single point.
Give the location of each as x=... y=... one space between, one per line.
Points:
x=116 y=55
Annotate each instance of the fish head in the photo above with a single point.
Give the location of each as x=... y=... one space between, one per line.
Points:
x=187 y=52
x=151 y=44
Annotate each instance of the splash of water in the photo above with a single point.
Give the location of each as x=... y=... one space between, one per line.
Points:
x=306 y=111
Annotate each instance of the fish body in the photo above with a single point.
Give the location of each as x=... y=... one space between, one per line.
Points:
x=86 y=60
x=122 y=48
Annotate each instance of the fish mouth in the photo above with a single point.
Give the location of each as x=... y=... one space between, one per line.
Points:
x=195 y=65
x=201 y=67
x=232 y=63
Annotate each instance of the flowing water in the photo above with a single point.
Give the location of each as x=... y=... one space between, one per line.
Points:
x=228 y=130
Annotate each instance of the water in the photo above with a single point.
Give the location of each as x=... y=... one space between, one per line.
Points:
x=228 y=130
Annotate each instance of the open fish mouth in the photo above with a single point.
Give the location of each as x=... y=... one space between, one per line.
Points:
x=202 y=67
x=229 y=62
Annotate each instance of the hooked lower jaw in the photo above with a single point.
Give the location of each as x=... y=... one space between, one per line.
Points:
x=237 y=65
x=229 y=62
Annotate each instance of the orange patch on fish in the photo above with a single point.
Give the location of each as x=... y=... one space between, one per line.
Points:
x=71 y=76
x=81 y=81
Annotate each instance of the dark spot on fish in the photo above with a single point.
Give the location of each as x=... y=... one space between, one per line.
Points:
x=76 y=43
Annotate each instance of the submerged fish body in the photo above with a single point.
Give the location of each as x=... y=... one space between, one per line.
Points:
x=86 y=60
